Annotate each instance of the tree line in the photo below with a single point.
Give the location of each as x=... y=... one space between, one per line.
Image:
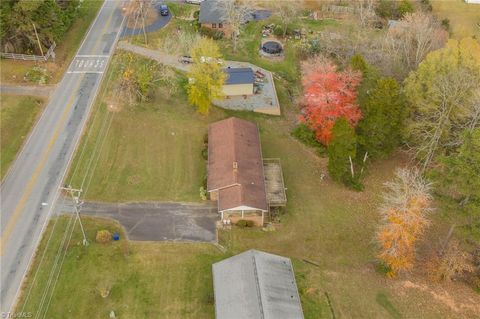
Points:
x=434 y=114
x=20 y=18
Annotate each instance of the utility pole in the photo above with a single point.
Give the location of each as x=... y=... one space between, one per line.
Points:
x=142 y=12
x=38 y=40
x=75 y=194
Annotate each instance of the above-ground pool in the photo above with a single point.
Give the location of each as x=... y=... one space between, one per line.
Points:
x=272 y=47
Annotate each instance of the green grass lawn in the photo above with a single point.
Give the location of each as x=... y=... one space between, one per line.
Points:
x=144 y=280
x=17 y=117
x=464 y=18
x=152 y=150
x=13 y=71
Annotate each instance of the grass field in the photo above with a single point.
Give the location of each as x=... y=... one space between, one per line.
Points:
x=144 y=280
x=17 y=117
x=152 y=150
x=464 y=18
x=14 y=71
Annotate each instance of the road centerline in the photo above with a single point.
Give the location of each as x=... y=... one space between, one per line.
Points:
x=28 y=190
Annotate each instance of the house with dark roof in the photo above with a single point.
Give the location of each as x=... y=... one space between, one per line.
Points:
x=235 y=170
x=254 y=285
x=239 y=81
x=212 y=16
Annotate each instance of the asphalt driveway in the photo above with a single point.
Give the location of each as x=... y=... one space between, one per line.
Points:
x=160 y=221
x=159 y=23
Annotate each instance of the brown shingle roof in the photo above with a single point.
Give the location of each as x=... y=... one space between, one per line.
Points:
x=235 y=165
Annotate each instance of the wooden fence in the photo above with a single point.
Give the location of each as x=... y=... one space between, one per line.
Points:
x=30 y=57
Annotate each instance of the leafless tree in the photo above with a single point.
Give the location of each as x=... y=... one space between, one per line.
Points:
x=235 y=15
x=180 y=44
x=406 y=203
x=287 y=11
x=414 y=37
x=441 y=127
x=366 y=12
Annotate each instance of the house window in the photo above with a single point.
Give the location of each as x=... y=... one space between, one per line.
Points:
x=220 y=25
x=214 y=25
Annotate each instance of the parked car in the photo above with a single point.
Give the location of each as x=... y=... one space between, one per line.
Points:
x=186 y=59
x=164 y=10
x=194 y=1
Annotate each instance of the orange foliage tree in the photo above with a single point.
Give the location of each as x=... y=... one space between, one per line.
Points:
x=329 y=94
x=404 y=219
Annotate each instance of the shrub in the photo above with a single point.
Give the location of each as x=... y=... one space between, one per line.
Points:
x=278 y=31
x=210 y=33
x=205 y=147
x=446 y=24
x=310 y=48
x=203 y=193
x=305 y=135
x=205 y=153
x=242 y=223
x=37 y=75
x=405 y=7
x=386 y=9
x=204 y=181
x=381 y=268
x=103 y=236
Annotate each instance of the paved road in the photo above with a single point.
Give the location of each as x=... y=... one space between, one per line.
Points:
x=30 y=189
x=160 y=221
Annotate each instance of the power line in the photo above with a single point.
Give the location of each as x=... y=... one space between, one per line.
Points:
x=77 y=203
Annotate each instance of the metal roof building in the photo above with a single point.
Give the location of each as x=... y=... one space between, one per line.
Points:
x=256 y=285
x=239 y=76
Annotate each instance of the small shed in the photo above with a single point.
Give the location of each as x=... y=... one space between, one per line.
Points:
x=255 y=284
x=239 y=81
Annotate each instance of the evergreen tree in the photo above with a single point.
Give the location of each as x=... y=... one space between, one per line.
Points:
x=459 y=173
x=380 y=130
x=369 y=78
x=341 y=153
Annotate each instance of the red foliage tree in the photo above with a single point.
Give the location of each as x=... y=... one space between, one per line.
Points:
x=328 y=95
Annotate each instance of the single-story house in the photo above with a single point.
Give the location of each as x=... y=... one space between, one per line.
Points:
x=254 y=285
x=239 y=81
x=212 y=16
x=235 y=170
